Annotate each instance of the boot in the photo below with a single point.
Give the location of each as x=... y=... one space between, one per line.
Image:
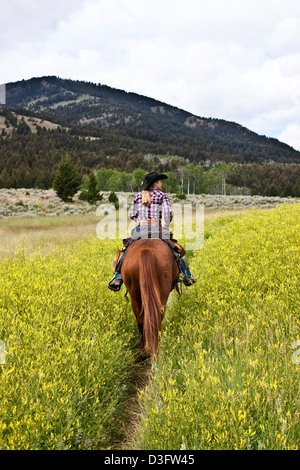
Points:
x=188 y=280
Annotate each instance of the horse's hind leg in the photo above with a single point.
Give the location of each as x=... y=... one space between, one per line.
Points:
x=144 y=354
x=141 y=330
x=139 y=315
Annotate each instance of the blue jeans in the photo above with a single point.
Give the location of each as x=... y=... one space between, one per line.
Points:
x=142 y=228
x=184 y=268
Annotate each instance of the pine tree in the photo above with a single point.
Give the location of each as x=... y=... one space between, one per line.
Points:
x=67 y=180
x=93 y=193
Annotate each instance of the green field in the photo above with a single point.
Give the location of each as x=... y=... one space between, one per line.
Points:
x=226 y=375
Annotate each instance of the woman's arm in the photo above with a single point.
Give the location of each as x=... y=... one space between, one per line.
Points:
x=134 y=209
x=167 y=211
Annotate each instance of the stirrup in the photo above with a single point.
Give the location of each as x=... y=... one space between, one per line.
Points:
x=115 y=285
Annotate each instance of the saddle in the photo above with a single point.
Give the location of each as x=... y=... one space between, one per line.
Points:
x=177 y=250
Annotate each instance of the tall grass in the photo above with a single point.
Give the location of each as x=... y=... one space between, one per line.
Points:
x=44 y=233
x=69 y=349
x=225 y=378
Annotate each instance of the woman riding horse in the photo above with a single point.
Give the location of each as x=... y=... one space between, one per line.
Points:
x=147 y=209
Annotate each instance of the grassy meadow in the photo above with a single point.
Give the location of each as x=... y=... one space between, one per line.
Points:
x=224 y=378
x=69 y=349
x=44 y=233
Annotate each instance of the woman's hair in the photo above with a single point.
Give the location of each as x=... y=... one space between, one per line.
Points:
x=146 y=197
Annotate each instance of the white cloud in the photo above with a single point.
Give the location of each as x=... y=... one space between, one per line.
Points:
x=31 y=20
x=291 y=135
x=236 y=60
x=285 y=38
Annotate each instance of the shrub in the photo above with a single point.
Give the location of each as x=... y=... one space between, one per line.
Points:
x=113 y=198
x=83 y=196
x=180 y=196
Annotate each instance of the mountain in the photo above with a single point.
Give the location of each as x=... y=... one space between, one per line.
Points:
x=93 y=108
x=45 y=118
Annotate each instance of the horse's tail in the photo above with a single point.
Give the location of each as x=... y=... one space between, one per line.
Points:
x=151 y=301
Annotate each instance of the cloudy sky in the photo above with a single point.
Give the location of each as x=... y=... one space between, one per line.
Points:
x=237 y=60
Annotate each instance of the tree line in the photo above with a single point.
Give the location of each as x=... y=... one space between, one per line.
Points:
x=265 y=180
x=187 y=179
x=30 y=160
x=268 y=179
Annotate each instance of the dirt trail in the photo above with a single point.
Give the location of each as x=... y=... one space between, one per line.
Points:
x=131 y=416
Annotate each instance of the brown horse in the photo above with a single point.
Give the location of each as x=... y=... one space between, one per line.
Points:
x=149 y=271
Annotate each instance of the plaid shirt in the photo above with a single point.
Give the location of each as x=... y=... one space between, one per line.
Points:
x=160 y=204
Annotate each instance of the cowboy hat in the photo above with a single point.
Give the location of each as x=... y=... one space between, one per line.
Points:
x=151 y=178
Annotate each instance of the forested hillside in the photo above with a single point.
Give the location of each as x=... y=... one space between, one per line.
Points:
x=98 y=126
